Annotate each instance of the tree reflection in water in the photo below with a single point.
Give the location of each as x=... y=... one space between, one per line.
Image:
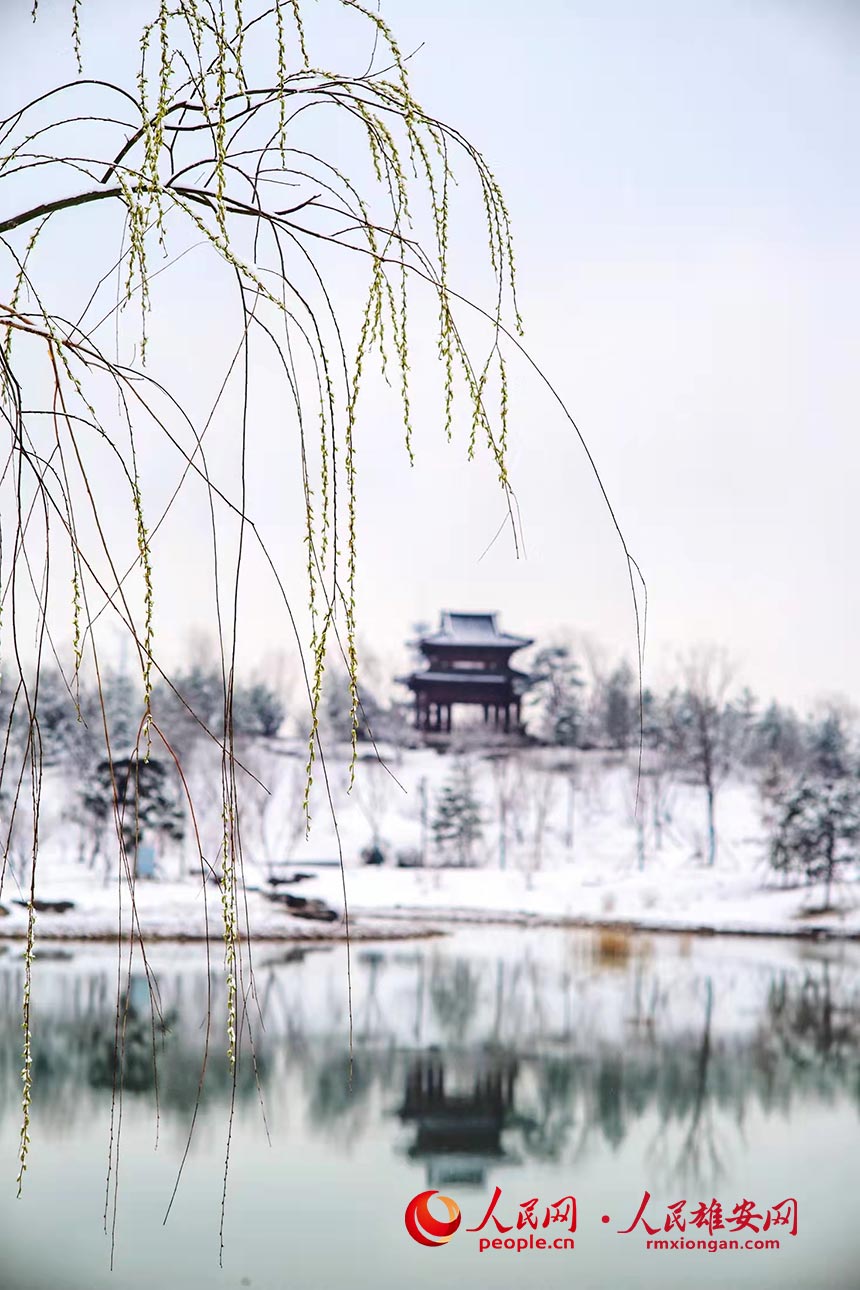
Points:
x=478 y=1058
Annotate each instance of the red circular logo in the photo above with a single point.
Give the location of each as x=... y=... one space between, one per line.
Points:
x=423 y=1227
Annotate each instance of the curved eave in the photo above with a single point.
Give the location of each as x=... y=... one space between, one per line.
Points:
x=441 y=640
x=465 y=678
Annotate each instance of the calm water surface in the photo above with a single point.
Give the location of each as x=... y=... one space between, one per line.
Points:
x=545 y=1063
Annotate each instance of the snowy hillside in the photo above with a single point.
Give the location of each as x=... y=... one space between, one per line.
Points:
x=554 y=835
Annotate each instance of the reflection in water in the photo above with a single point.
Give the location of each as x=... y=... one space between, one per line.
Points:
x=484 y=1057
x=816 y=1021
x=458 y=1133
x=543 y=1063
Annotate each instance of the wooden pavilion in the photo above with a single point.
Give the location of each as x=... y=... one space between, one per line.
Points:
x=468 y=662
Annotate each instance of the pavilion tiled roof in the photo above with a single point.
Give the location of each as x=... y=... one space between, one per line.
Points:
x=472 y=629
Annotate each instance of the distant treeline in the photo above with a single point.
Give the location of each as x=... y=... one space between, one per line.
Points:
x=701 y=729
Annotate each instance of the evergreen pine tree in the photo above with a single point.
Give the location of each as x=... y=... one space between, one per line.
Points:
x=742 y=722
x=146 y=799
x=777 y=739
x=818 y=830
x=557 y=685
x=619 y=707
x=828 y=748
x=654 y=732
x=258 y=710
x=457 y=822
x=122 y=696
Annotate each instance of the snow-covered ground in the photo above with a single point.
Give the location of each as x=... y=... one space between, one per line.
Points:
x=560 y=842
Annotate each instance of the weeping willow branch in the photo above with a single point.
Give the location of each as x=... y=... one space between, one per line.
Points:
x=230 y=105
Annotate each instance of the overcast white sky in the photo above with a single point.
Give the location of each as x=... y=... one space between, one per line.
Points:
x=684 y=187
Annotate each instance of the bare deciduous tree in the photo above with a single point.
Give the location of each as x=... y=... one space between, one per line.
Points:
x=699 y=732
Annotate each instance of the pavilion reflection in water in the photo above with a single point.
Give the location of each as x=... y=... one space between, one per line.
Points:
x=458 y=1131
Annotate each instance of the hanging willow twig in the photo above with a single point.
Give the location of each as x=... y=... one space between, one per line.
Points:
x=231 y=107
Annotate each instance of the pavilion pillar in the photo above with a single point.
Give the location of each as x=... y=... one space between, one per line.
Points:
x=507 y=717
x=448 y=718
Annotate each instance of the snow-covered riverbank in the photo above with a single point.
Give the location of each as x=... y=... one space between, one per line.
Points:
x=386 y=903
x=562 y=848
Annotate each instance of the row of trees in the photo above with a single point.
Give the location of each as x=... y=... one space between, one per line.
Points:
x=572 y=705
x=193 y=703
x=697 y=732
x=701 y=731
x=807 y=770
x=123 y=778
x=811 y=809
